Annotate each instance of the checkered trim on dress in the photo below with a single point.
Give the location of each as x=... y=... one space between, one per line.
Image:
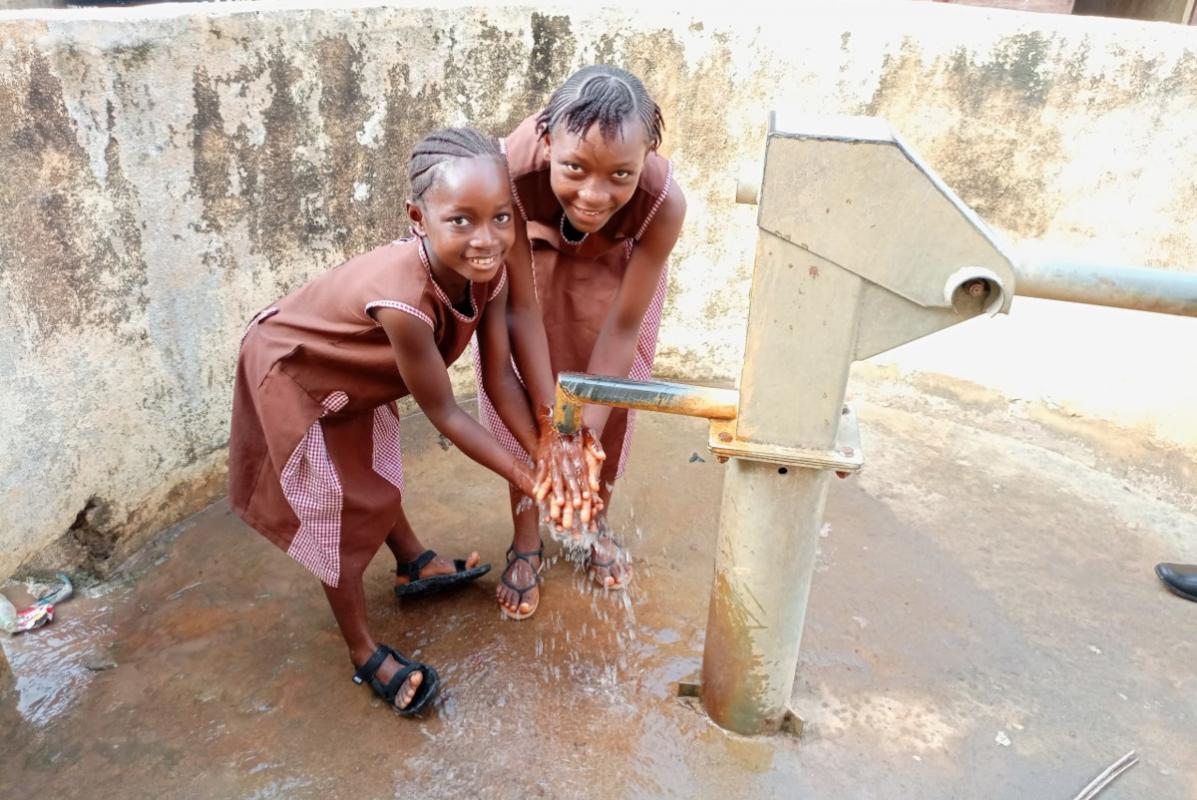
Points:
x=265 y=313
x=313 y=489
x=415 y=312
x=334 y=403
x=652 y=212
x=442 y=296
x=487 y=414
x=387 y=459
x=502 y=282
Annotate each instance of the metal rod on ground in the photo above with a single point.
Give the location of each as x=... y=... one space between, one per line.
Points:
x=1107 y=777
x=1141 y=288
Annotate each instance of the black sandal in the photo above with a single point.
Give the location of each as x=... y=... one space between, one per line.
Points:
x=417 y=585
x=366 y=672
x=620 y=555
x=513 y=556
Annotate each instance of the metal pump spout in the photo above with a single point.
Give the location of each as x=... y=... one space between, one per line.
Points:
x=576 y=388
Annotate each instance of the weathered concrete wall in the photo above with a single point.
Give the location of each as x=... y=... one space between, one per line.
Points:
x=6 y=5
x=165 y=171
x=1160 y=10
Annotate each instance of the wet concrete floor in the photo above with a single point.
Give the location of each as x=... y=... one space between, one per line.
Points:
x=984 y=623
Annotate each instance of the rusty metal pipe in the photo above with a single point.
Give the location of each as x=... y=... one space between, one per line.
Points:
x=1140 y=288
x=577 y=388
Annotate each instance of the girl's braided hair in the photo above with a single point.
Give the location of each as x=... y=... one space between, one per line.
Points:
x=602 y=95
x=444 y=145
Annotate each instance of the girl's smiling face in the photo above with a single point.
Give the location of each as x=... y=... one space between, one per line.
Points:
x=466 y=218
x=593 y=176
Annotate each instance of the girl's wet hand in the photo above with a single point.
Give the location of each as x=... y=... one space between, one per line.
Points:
x=544 y=483
x=568 y=466
x=553 y=475
x=590 y=465
x=523 y=478
x=592 y=452
x=568 y=478
x=563 y=479
x=548 y=470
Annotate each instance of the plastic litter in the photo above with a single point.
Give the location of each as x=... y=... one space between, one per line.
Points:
x=40 y=613
x=33 y=617
x=8 y=615
x=59 y=593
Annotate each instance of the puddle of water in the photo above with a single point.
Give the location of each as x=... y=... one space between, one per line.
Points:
x=53 y=666
x=233 y=674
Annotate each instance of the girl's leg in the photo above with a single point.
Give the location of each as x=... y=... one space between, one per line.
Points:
x=519 y=572
x=609 y=565
x=348 y=601
x=406 y=547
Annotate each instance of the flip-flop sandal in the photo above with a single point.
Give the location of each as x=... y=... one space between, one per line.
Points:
x=427 y=689
x=434 y=583
x=513 y=556
x=592 y=565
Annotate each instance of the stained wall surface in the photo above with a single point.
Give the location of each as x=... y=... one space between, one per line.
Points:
x=165 y=171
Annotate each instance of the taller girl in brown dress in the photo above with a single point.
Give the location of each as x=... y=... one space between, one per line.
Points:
x=600 y=214
x=314 y=458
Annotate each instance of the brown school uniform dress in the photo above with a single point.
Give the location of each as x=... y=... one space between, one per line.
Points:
x=576 y=285
x=315 y=463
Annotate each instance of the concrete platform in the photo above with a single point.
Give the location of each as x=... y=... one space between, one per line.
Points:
x=984 y=623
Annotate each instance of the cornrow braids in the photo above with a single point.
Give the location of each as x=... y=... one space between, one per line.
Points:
x=603 y=95
x=442 y=146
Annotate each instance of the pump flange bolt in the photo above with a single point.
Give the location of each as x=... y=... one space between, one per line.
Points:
x=848 y=452
x=725 y=437
x=977 y=288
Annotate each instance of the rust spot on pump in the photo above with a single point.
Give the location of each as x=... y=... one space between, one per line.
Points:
x=730 y=682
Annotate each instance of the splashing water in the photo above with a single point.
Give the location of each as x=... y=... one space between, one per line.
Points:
x=595 y=651
x=576 y=541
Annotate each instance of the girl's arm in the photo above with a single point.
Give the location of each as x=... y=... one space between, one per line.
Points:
x=499 y=379
x=616 y=344
x=526 y=325
x=560 y=468
x=423 y=372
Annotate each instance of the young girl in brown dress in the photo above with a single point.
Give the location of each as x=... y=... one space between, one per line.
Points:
x=314 y=458
x=599 y=215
